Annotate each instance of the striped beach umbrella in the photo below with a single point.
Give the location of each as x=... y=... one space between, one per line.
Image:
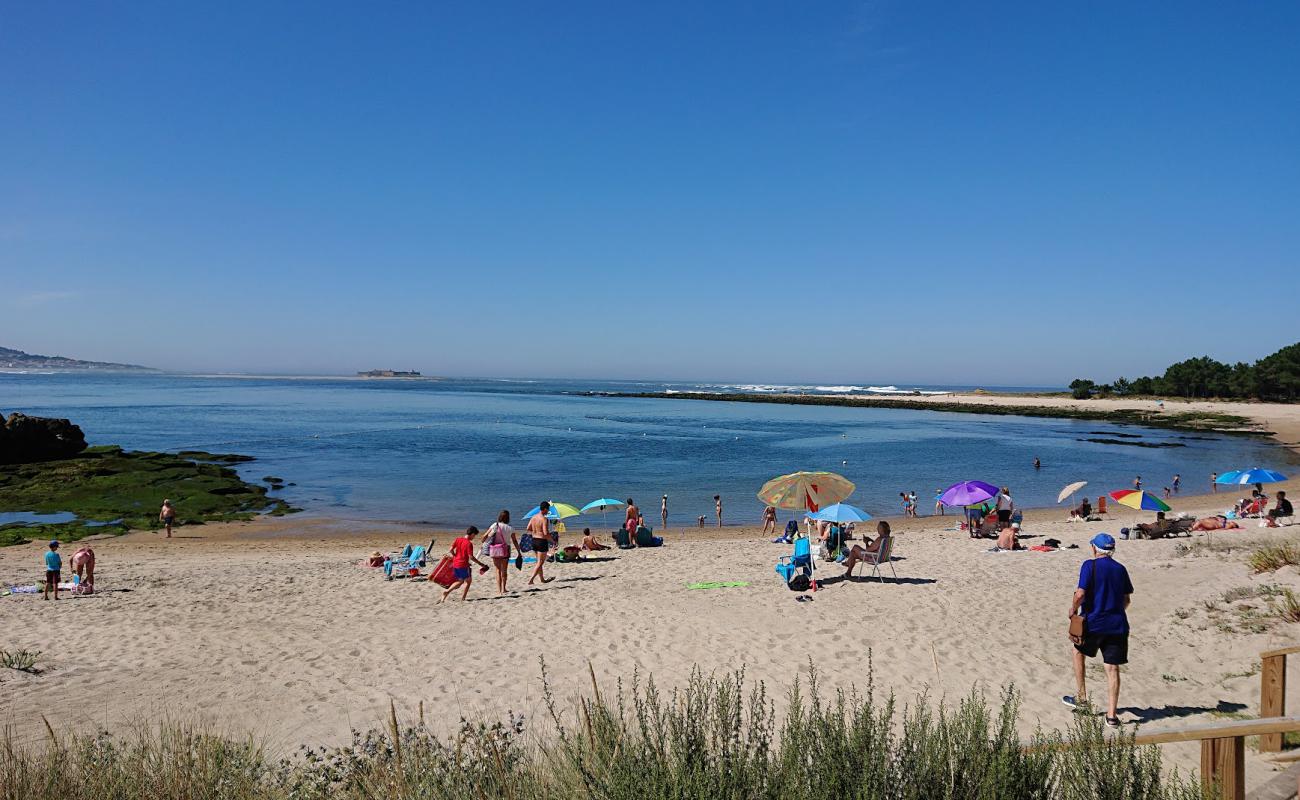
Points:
x=556 y=511
x=806 y=491
x=1142 y=501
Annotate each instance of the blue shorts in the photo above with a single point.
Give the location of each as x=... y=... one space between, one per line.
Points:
x=460 y=573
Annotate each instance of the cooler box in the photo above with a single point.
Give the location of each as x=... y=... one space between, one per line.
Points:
x=441 y=574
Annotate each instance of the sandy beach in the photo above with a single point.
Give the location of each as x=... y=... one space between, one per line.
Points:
x=272 y=627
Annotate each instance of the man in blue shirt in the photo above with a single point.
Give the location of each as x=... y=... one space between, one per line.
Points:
x=1102 y=596
x=53 y=563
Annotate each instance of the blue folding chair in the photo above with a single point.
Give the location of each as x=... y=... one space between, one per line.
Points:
x=800 y=561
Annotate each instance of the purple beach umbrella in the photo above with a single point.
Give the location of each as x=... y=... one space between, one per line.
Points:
x=968 y=493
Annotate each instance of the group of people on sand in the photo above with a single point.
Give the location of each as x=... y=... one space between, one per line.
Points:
x=500 y=540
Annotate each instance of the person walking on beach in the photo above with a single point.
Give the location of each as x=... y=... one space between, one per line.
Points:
x=462 y=552
x=167 y=516
x=53 y=566
x=1102 y=598
x=717 y=504
x=938 y=502
x=1005 y=506
x=539 y=527
x=498 y=539
x=663 y=513
x=769 y=519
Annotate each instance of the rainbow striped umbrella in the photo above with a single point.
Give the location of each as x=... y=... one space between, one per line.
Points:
x=1142 y=501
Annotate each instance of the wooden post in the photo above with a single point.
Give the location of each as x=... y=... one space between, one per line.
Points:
x=1272 y=697
x=1223 y=762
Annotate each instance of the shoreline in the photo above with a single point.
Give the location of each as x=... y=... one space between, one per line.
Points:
x=1280 y=421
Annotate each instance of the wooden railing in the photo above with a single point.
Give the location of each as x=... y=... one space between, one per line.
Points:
x=1223 y=748
x=1272 y=692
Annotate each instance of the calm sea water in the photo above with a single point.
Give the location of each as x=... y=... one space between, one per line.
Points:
x=456 y=451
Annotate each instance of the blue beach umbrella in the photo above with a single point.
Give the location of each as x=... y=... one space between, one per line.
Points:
x=841 y=512
x=1245 y=477
x=602 y=505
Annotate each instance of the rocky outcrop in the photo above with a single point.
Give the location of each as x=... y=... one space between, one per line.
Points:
x=25 y=439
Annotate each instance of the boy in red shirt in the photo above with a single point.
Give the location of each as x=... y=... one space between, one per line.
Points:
x=462 y=552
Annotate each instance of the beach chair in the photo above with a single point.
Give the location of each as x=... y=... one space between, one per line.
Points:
x=621 y=539
x=646 y=538
x=834 y=544
x=883 y=555
x=797 y=563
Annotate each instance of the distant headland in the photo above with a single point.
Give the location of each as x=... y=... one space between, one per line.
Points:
x=388 y=373
x=17 y=359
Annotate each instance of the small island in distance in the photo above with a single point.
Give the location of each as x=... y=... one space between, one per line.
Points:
x=387 y=373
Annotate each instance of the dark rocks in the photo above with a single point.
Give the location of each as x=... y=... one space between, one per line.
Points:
x=26 y=440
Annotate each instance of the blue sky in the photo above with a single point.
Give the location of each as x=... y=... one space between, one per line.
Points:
x=902 y=192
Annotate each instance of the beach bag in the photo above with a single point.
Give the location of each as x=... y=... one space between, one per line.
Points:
x=799 y=583
x=1078 y=623
x=526 y=543
x=442 y=574
x=497 y=540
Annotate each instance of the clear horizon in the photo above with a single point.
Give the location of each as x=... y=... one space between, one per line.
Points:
x=1012 y=196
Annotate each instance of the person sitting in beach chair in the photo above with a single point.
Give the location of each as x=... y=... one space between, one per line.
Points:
x=1252 y=506
x=1081 y=512
x=1282 y=510
x=831 y=537
x=646 y=538
x=872 y=551
x=623 y=540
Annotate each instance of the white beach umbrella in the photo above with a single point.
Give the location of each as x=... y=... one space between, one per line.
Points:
x=1070 y=490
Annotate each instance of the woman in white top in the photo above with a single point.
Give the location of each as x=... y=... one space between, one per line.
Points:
x=1005 y=506
x=498 y=539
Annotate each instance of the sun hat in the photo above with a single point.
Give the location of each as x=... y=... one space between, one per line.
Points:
x=1103 y=541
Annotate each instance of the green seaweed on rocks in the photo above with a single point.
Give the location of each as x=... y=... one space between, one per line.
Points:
x=124 y=489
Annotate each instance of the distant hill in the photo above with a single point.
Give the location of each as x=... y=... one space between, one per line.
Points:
x=17 y=359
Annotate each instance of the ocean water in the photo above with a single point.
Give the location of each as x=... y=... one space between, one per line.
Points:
x=454 y=452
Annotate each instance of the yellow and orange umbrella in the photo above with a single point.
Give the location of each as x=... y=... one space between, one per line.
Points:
x=806 y=491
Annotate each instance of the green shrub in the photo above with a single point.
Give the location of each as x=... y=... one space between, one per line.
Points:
x=716 y=737
x=1274 y=556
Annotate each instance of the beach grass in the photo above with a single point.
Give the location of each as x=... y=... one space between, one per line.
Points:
x=124 y=490
x=717 y=737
